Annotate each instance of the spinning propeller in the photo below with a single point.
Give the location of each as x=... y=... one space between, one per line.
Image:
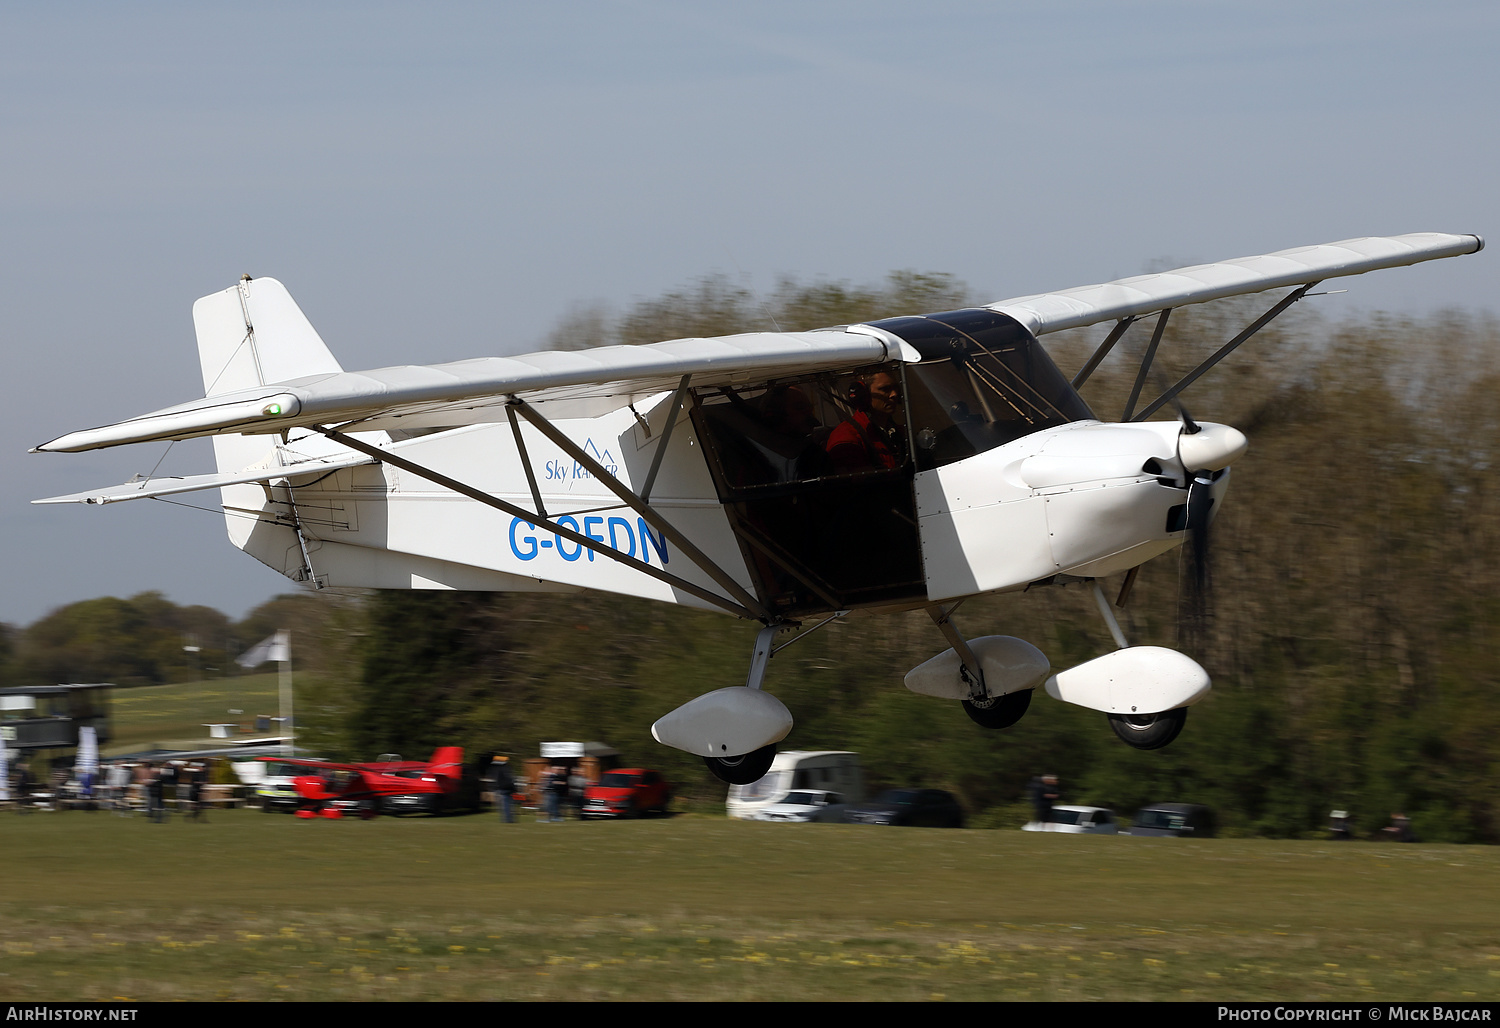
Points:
x=1203 y=451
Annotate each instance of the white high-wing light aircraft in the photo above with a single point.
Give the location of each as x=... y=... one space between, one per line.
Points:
x=779 y=476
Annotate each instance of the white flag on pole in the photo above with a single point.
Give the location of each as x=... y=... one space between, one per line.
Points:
x=273 y=647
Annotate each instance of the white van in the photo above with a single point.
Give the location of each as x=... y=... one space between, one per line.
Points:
x=834 y=770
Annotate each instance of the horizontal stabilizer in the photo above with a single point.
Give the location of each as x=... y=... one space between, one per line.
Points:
x=146 y=488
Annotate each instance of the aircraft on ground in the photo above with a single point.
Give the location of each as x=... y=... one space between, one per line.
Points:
x=329 y=790
x=787 y=478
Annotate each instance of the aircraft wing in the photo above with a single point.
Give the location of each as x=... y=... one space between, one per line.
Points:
x=588 y=383
x=1145 y=294
x=580 y=383
x=317 y=765
x=147 y=488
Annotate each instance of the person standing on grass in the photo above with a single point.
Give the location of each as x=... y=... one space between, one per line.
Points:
x=195 y=773
x=544 y=786
x=577 y=785
x=557 y=790
x=505 y=785
x=155 y=785
x=1042 y=792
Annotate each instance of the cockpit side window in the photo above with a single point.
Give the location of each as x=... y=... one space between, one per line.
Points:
x=777 y=436
x=815 y=474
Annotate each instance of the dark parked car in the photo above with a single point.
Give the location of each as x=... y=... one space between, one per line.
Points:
x=922 y=808
x=1174 y=819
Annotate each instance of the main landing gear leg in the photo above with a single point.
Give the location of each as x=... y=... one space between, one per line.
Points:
x=984 y=709
x=752 y=766
x=734 y=730
x=1145 y=731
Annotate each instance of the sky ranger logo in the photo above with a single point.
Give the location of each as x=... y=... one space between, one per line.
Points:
x=570 y=471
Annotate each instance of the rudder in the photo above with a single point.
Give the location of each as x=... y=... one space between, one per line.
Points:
x=254 y=334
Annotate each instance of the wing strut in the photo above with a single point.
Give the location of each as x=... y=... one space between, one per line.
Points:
x=515 y=430
x=1140 y=377
x=1103 y=350
x=666 y=437
x=644 y=509
x=1223 y=351
x=538 y=521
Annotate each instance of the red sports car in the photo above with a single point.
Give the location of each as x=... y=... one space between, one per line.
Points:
x=627 y=792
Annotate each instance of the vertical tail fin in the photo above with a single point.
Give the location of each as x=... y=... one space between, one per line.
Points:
x=249 y=335
x=254 y=333
x=449 y=761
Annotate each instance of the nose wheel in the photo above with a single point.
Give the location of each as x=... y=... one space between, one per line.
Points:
x=744 y=769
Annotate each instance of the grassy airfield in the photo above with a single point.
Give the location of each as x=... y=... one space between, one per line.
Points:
x=173 y=716
x=255 y=906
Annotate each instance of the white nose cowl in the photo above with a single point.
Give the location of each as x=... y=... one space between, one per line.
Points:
x=1212 y=447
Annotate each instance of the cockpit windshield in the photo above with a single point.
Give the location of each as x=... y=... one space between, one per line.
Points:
x=983 y=381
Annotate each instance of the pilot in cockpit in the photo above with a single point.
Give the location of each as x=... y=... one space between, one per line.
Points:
x=872 y=437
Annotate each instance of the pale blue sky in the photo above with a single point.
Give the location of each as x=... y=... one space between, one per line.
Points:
x=443 y=181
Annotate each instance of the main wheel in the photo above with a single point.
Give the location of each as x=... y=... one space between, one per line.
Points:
x=744 y=769
x=1149 y=731
x=998 y=711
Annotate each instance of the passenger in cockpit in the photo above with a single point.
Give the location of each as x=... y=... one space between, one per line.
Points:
x=795 y=453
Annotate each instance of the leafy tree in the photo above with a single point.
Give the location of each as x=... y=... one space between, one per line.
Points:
x=714 y=305
x=139 y=641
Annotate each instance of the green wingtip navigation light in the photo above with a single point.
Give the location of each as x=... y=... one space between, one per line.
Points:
x=272 y=409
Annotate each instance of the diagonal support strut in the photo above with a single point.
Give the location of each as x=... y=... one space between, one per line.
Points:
x=1145 y=369
x=635 y=503
x=666 y=436
x=385 y=456
x=1103 y=351
x=1224 y=351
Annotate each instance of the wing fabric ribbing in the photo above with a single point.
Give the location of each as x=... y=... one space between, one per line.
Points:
x=1145 y=294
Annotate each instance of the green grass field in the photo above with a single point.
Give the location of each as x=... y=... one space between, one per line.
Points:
x=258 y=906
x=173 y=716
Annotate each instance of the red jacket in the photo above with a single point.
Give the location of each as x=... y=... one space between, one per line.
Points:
x=859 y=445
